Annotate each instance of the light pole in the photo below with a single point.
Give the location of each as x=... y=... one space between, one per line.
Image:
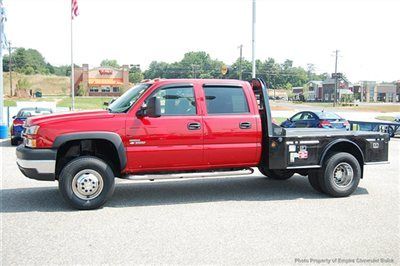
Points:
x=335 y=98
x=240 y=61
x=253 y=42
x=2 y=20
x=10 y=67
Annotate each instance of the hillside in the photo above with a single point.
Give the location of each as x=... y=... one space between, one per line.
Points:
x=48 y=84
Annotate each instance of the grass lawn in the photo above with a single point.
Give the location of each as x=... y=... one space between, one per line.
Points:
x=315 y=104
x=85 y=102
x=377 y=108
x=63 y=101
x=384 y=108
x=279 y=120
x=13 y=101
x=385 y=118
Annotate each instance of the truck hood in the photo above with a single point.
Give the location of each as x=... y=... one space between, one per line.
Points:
x=82 y=115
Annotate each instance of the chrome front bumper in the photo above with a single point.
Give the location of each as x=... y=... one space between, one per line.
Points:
x=37 y=164
x=41 y=166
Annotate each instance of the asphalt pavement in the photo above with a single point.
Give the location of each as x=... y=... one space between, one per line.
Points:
x=236 y=220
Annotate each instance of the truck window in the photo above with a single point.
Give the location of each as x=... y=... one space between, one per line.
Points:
x=176 y=101
x=226 y=100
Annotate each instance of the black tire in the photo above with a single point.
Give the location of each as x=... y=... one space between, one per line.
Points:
x=313 y=179
x=14 y=141
x=81 y=167
x=348 y=163
x=276 y=174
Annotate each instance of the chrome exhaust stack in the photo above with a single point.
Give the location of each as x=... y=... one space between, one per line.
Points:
x=152 y=177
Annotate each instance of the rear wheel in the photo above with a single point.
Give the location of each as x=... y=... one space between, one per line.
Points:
x=86 y=182
x=276 y=174
x=340 y=175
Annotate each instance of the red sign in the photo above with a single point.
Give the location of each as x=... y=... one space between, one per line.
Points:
x=105 y=71
x=303 y=154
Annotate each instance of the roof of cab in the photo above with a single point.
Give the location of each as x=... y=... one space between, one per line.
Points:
x=196 y=81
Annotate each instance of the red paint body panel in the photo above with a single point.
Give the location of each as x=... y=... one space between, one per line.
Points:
x=165 y=143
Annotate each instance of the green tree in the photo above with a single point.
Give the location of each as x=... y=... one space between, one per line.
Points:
x=110 y=63
x=23 y=84
x=29 y=70
x=6 y=61
x=64 y=70
x=28 y=61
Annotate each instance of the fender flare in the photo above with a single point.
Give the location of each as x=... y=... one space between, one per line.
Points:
x=337 y=141
x=114 y=138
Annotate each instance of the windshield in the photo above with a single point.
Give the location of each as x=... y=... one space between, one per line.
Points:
x=25 y=113
x=123 y=103
x=325 y=115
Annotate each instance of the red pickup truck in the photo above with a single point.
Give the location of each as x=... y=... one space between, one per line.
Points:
x=188 y=128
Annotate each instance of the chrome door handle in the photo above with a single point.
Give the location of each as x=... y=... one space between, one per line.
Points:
x=245 y=125
x=194 y=126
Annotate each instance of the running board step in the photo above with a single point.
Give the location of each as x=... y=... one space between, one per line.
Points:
x=248 y=171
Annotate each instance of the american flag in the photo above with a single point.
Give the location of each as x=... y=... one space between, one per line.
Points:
x=74 y=8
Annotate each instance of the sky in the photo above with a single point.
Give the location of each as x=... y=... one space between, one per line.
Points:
x=366 y=32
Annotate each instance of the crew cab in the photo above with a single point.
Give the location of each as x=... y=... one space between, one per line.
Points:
x=180 y=128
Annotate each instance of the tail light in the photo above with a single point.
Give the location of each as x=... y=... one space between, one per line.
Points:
x=18 y=122
x=346 y=124
x=325 y=124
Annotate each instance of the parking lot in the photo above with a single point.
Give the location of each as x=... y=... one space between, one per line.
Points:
x=240 y=220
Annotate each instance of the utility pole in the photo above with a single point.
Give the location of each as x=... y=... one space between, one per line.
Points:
x=194 y=70
x=336 y=57
x=10 y=68
x=240 y=62
x=253 y=42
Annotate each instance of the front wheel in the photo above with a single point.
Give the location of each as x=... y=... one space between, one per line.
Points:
x=86 y=182
x=14 y=141
x=276 y=174
x=340 y=175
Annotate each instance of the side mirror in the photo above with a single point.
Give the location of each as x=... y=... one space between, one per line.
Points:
x=110 y=102
x=152 y=109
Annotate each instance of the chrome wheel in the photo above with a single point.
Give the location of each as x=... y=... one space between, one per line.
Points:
x=343 y=175
x=87 y=184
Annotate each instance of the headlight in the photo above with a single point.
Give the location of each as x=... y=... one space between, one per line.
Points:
x=32 y=130
x=31 y=143
x=29 y=136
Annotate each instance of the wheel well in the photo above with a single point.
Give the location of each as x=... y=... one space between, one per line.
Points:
x=348 y=147
x=100 y=148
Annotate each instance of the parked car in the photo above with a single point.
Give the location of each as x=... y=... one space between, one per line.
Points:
x=185 y=128
x=19 y=120
x=316 y=119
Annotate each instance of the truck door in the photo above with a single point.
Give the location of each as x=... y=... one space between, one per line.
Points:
x=173 y=140
x=232 y=134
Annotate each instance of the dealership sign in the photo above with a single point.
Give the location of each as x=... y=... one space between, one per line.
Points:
x=105 y=71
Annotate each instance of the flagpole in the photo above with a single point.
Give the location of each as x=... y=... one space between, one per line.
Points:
x=253 y=41
x=72 y=62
